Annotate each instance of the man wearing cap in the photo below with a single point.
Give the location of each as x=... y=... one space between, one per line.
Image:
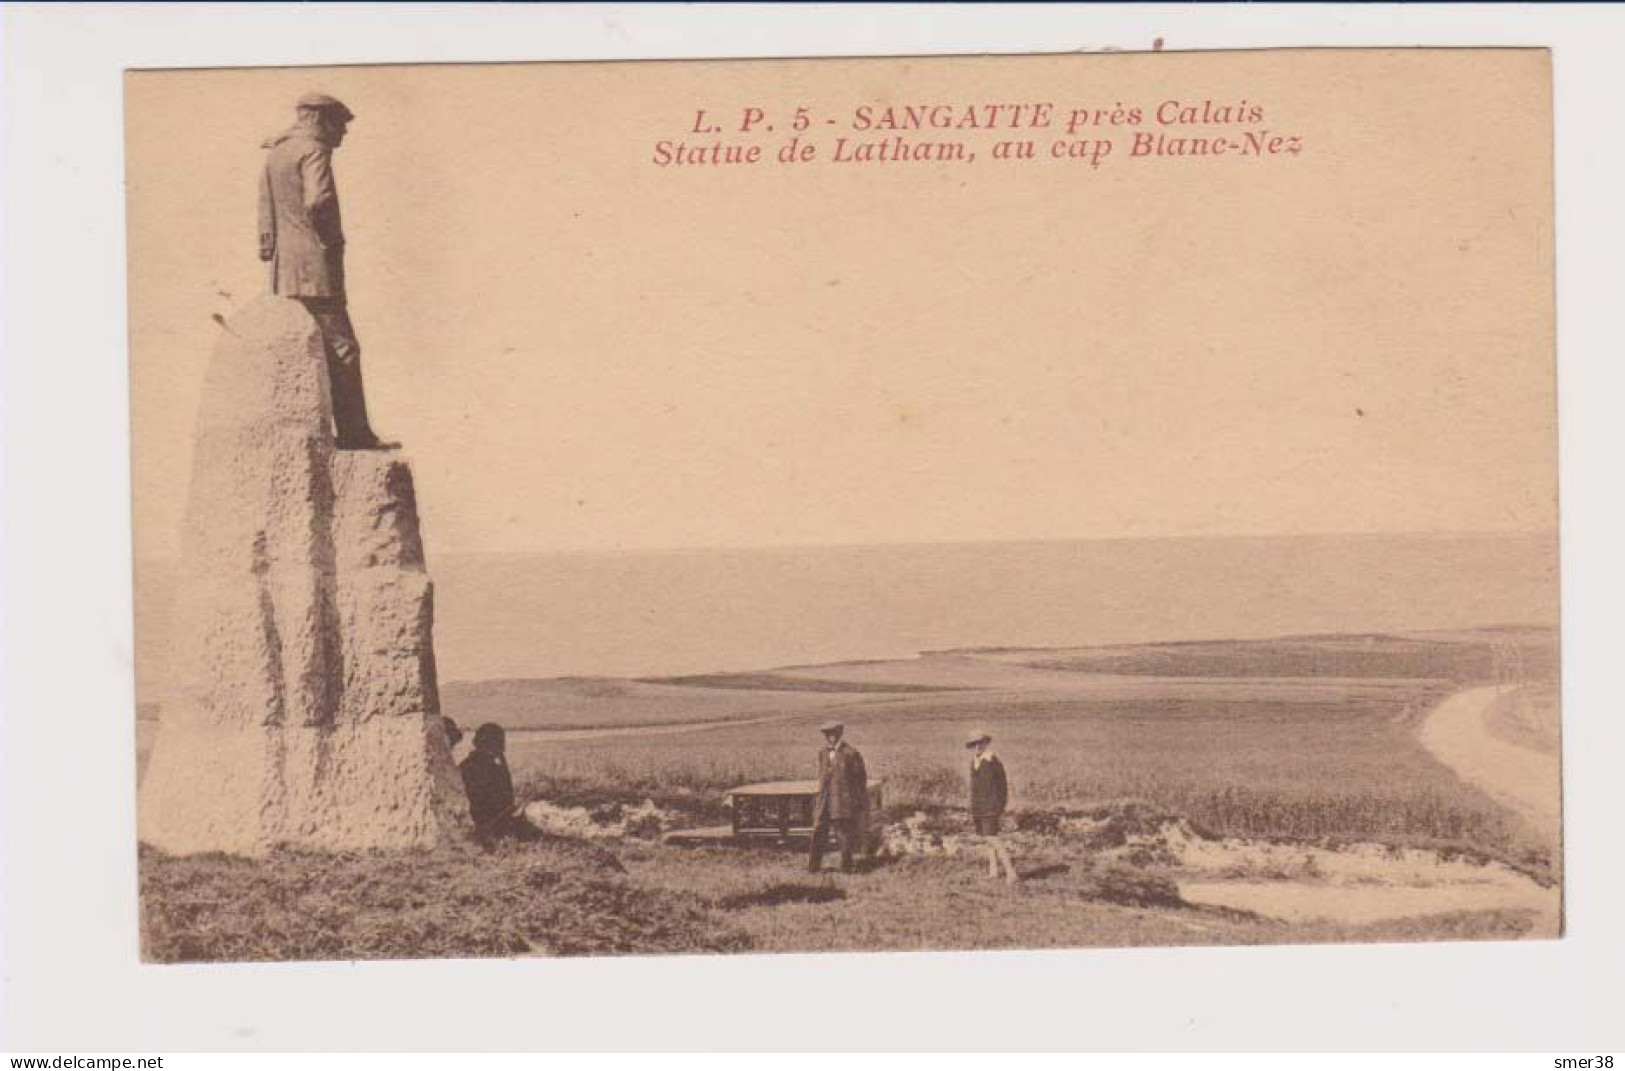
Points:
x=989 y=794
x=302 y=238
x=843 y=798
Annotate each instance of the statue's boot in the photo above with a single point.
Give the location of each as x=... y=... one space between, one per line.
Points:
x=352 y=429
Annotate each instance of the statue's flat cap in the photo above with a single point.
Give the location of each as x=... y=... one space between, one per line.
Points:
x=323 y=102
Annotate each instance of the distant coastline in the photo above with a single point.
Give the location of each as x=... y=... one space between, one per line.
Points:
x=687 y=612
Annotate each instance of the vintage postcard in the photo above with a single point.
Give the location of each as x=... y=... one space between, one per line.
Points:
x=845 y=505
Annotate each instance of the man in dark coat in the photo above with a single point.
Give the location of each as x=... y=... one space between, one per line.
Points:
x=843 y=798
x=302 y=237
x=490 y=789
x=989 y=795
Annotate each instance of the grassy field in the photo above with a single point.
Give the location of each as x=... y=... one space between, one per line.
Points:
x=1254 y=767
x=1304 y=740
x=1241 y=741
x=590 y=703
x=565 y=897
x=1458 y=656
x=1246 y=742
x=558 y=898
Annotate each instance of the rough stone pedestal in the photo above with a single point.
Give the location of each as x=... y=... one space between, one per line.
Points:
x=302 y=707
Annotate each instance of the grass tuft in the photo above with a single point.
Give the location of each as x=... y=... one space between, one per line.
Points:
x=558 y=898
x=784 y=892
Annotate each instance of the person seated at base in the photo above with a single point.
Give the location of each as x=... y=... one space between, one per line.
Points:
x=497 y=816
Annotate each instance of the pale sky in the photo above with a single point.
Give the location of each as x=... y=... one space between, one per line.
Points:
x=581 y=350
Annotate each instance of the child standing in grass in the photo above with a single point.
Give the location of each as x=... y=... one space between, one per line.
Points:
x=989 y=794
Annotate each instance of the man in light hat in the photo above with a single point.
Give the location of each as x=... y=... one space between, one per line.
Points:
x=989 y=794
x=843 y=798
x=302 y=237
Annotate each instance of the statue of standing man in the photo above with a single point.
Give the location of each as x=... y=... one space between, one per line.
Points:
x=302 y=237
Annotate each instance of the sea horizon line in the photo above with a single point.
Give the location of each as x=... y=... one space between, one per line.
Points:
x=1192 y=537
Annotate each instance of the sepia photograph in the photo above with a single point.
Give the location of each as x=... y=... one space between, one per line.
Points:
x=844 y=505
x=1019 y=528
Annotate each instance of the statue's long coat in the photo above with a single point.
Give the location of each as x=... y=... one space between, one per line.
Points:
x=299 y=217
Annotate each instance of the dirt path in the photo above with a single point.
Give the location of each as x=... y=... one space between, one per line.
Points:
x=1291 y=901
x=1517 y=777
x=1355 y=887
